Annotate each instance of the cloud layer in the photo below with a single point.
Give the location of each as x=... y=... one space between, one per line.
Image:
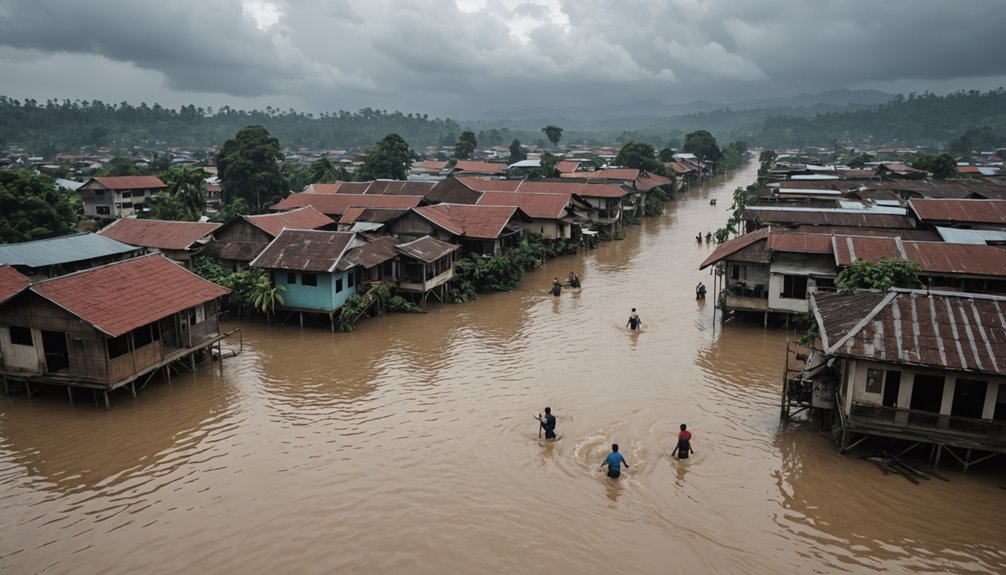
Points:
x=435 y=57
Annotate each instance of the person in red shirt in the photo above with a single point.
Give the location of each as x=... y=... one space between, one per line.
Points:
x=684 y=447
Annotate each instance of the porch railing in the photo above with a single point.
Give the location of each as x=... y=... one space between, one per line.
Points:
x=915 y=418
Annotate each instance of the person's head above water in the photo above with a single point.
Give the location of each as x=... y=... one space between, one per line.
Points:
x=683 y=426
x=548 y=410
x=633 y=309
x=614 y=447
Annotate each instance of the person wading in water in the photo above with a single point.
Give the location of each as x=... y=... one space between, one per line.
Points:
x=634 y=321
x=547 y=422
x=614 y=460
x=684 y=447
x=556 y=287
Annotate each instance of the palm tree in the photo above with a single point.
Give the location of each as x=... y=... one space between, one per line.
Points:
x=266 y=296
x=188 y=186
x=324 y=171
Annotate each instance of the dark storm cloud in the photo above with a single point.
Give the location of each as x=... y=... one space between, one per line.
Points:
x=431 y=56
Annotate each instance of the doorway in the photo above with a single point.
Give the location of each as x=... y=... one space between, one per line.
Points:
x=969 y=398
x=57 y=357
x=892 y=385
x=927 y=396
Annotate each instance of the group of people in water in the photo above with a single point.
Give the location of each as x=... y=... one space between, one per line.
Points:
x=573 y=281
x=615 y=460
x=708 y=236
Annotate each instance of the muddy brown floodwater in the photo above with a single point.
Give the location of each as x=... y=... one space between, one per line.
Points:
x=408 y=446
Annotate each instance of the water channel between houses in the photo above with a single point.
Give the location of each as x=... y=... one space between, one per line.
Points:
x=408 y=446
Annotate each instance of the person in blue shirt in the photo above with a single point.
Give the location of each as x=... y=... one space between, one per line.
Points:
x=614 y=461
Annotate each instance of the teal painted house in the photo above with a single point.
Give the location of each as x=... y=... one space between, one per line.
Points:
x=313 y=267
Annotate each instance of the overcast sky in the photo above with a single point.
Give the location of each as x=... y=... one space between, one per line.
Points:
x=456 y=58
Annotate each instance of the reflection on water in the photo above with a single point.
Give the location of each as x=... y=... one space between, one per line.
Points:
x=410 y=442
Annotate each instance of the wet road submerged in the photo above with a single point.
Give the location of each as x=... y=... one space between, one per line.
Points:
x=408 y=446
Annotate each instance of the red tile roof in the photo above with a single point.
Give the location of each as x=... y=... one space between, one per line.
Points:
x=477 y=222
x=158 y=234
x=323 y=188
x=484 y=185
x=647 y=181
x=120 y=297
x=306 y=250
x=479 y=167
x=12 y=282
x=567 y=166
x=544 y=206
x=964 y=211
x=849 y=249
x=306 y=218
x=429 y=165
x=337 y=204
x=950 y=331
x=130 y=182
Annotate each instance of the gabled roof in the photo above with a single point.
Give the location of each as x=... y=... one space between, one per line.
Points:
x=953 y=331
x=680 y=168
x=374 y=187
x=611 y=174
x=730 y=247
x=373 y=253
x=372 y=215
x=479 y=167
x=128 y=182
x=158 y=234
x=306 y=218
x=647 y=181
x=544 y=206
x=12 y=282
x=427 y=249
x=120 y=297
x=337 y=204
x=827 y=217
x=567 y=166
x=306 y=250
x=476 y=222
x=963 y=211
x=543 y=187
x=62 y=250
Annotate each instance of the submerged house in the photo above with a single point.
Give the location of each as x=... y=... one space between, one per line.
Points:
x=426 y=266
x=482 y=230
x=106 y=327
x=925 y=367
x=238 y=241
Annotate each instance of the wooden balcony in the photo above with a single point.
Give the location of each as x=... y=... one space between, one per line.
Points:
x=915 y=425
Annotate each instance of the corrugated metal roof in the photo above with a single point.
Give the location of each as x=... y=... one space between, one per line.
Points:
x=730 y=247
x=828 y=218
x=611 y=174
x=306 y=250
x=544 y=206
x=849 y=249
x=306 y=218
x=120 y=297
x=961 y=332
x=158 y=234
x=476 y=222
x=427 y=249
x=953 y=259
x=800 y=243
x=336 y=204
x=977 y=237
x=373 y=253
x=12 y=282
x=963 y=211
x=62 y=250
x=916 y=235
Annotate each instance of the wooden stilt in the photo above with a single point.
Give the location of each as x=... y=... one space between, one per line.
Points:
x=967 y=460
x=69 y=392
x=167 y=373
x=220 y=354
x=301 y=315
x=132 y=388
x=192 y=361
x=27 y=388
x=108 y=405
x=765 y=323
x=939 y=452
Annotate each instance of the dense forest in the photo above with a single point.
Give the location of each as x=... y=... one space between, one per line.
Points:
x=961 y=118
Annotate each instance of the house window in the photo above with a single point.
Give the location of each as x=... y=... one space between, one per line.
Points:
x=103 y=210
x=127 y=194
x=351 y=280
x=874 y=380
x=338 y=285
x=794 y=287
x=291 y=278
x=309 y=279
x=146 y=335
x=118 y=346
x=20 y=335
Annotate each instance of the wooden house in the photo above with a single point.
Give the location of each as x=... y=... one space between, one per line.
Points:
x=48 y=258
x=921 y=366
x=106 y=327
x=179 y=241
x=238 y=241
x=426 y=266
x=483 y=230
x=118 y=196
x=334 y=205
x=551 y=215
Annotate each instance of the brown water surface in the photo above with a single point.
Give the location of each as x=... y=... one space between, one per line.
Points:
x=408 y=446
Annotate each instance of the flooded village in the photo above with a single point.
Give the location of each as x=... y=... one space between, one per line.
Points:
x=276 y=445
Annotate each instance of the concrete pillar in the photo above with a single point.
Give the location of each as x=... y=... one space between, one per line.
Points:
x=991 y=396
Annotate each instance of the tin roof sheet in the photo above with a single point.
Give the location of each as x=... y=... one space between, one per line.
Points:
x=158 y=234
x=959 y=210
x=731 y=247
x=120 y=297
x=305 y=250
x=544 y=206
x=479 y=167
x=954 y=331
x=427 y=249
x=799 y=243
x=849 y=249
x=477 y=222
x=827 y=217
x=957 y=259
x=128 y=182
x=372 y=253
x=62 y=250
x=305 y=218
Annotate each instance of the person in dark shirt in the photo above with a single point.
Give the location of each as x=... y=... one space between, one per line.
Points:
x=573 y=281
x=614 y=461
x=556 y=287
x=684 y=447
x=634 y=321
x=547 y=423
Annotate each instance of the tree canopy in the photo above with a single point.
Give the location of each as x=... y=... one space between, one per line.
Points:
x=249 y=168
x=553 y=133
x=389 y=158
x=466 y=146
x=880 y=275
x=516 y=152
x=32 y=207
x=702 y=144
x=640 y=156
x=941 y=166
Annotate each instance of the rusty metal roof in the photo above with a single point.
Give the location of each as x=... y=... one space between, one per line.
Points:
x=960 y=211
x=120 y=297
x=158 y=234
x=963 y=259
x=545 y=206
x=479 y=167
x=373 y=253
x=306 y=218
x=427 y=249
x=12 y=282
x=567 y=166
x=235 y=251
x=826 y=217
x=546 y=187
x=731 y=247
x=849 y=249
x=476 y=222
x=954 y=331
x=336 y=204
x=799 y=243
x=128 y=182
x=611 y=174
x=306 y=250
x=647 y=181
x=914 y=235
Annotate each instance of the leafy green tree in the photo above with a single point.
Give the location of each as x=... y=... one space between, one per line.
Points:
x=743 y=197
x=325 y=171
x=880 y=275
x=517 y=153
x=666 y=155
x=553 y=133
x=941 y=166
x=231 y=210
x=703 y=145
x=187 y=187
x=466 y=146
x=249 y=167
x=640 y=156
x=119 y=166
x=297 y=175
x=266 y=296
x=164 y=206
x=548 y=162
x=32 y=207
x=389 y=158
